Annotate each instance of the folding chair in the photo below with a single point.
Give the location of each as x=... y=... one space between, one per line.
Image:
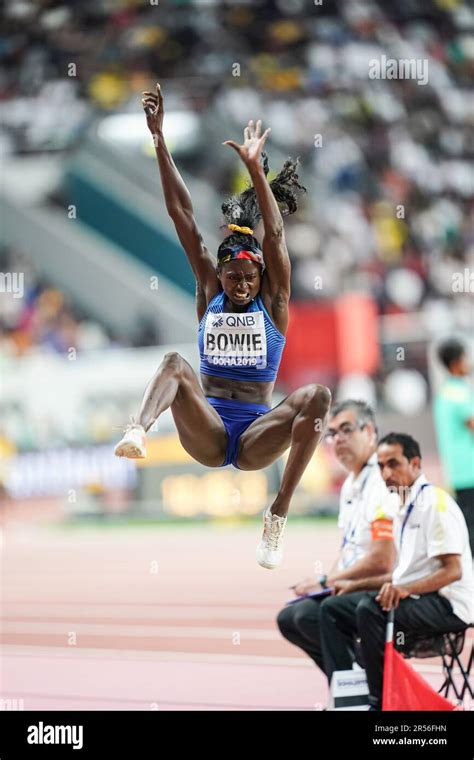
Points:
x=449 y=647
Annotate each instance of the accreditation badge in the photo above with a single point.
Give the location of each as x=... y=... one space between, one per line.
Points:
x=348 y=555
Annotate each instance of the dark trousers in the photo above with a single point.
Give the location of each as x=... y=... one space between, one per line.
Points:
x=299 y=624
x=465 y=499
x=342 y=618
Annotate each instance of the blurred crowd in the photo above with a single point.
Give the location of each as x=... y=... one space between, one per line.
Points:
x=43 y=317
x=388 y=163
x=46 y=318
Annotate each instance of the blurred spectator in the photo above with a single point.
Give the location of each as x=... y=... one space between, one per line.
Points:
x=454 y=420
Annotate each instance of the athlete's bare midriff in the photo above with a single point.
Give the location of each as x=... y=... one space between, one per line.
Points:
x=240 y=390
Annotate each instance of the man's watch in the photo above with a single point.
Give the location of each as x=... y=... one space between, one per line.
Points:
x=323 y=581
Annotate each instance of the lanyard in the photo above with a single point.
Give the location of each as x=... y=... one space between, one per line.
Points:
x=352 y=528
x=409 y=511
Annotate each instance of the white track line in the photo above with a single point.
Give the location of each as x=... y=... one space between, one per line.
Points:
x=15 y=650
x=140 y=631
x=131 y=612
x=168 y=705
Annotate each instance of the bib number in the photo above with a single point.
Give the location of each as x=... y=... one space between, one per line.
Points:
x=235 y=340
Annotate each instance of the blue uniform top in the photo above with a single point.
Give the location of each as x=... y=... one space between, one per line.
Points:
x=239 y=345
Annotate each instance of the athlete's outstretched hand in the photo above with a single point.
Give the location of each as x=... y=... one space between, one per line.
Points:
x=152 y=103
x=254 y=141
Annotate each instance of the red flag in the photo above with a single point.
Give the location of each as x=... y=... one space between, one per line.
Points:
x=405 y=689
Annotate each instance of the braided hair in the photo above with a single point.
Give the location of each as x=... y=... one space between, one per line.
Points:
x=243 y=209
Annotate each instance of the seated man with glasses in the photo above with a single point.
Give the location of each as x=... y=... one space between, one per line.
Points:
x=366 y=516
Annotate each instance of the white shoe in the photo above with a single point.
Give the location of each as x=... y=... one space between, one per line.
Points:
x=269 y=550
x=132 y=444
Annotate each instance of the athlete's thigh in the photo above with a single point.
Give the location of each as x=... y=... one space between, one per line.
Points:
x=200 y=429
x=268 y=437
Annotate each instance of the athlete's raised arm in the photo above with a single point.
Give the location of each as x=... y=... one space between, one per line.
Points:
x=177 y=197
x=275 y=252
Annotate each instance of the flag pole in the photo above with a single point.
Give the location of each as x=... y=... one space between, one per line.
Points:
x=388 y=661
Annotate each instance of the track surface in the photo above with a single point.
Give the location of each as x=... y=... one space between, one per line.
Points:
x=166 y=618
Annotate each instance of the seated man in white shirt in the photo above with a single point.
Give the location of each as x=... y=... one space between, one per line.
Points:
x=432 y=587
x=365 y=517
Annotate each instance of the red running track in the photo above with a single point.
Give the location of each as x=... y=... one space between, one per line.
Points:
x=162 y=618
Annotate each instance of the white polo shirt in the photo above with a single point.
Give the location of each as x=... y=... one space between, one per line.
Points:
x=435 y=526
x=363 y=500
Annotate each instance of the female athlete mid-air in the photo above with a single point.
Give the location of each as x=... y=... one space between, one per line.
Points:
x=242 y=308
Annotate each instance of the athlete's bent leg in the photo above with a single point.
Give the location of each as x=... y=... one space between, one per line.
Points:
x=200 y=429
x=299 y=422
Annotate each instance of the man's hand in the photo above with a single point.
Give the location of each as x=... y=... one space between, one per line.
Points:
x=390 y=595
x=343 y=587
x=252 y=148
x=152 y=103
x=306 y=587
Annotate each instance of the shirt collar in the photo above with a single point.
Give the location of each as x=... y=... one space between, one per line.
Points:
x=358 y=481
x=414 y=490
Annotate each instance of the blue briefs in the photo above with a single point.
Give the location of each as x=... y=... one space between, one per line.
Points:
x=236 y=416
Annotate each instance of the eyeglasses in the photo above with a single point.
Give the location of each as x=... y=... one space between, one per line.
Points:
x=344 y=431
